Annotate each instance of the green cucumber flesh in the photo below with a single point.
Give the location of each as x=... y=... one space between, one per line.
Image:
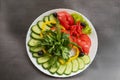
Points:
x=35 y=29
x=53 y=69
x=35 y=55
x=68 y=69
x=33 y=42
x=86 y=59
x=35 y=36
x=52 y=18
x=61 y=69
x=35 y=49
x=42 y=59
x=81 y=63
x=46 y=19
x=46 y=65
x=75 y=65
x=42 y=25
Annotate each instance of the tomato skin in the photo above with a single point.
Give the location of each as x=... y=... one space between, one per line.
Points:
x=65 y=19
x=69 y=18
x=86 y=39
x=63 y=22
x=85 y=43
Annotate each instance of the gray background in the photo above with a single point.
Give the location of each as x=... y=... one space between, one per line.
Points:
x=16 y=17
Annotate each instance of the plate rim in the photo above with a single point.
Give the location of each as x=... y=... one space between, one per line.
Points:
x=39 y=67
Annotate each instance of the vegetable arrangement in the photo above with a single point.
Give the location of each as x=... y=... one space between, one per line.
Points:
x=60 y=42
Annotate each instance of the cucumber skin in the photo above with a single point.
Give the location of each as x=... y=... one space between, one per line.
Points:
x=33 y=37
x=63 y=71
x=73 y=66
x=45 y=18
x=33 y=51
x=34 y=55
x=52 y=72
x=42 y=62
x=44 y=67
x=84 y=59
x=71 y=69
x=29 y=43
x=79 y=64
x=33 y=30
x=39 y=25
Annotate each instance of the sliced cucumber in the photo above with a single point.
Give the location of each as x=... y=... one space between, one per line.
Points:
x=75 y=66
x=52 y=19
x=68 y=69
x=86 y=59
x=61 y=69
x=35 y=29
x=35 y=36
x=45 y=19
x=42 y=25
x=35 y=49
x=81 y=63
x=53 y=69
x=46 y=65
x=47 y=22
x=43 y=59
x=35 y=55
x=33 y=42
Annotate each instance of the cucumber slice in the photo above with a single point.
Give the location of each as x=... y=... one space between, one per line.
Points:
x=53 y=69
x=45 y=19
x=81 y=63
x=33 y=42
x=42 y=25
x=52 y=19
x=47 y=22
x=35 y=55
x=46 y=65
x=35 y=36
x=61 y=69
x=75 y=65
x=35 y=49
x=86 y=59
x=42 y=59
x=35 y=29
x=68 y=68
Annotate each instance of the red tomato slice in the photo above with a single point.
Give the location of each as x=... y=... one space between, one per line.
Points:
x=69 y=18
x=84 y=42
x=65 y=19
x=61 y=14
x=85 y=38
x=64 y=22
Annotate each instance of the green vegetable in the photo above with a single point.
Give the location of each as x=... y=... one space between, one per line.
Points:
x=56 y=44
x=79 y=18
x=86 y=30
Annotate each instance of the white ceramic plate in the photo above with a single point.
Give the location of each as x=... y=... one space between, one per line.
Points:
x=93 y=49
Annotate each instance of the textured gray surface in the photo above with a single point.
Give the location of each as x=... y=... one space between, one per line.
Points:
x=17 y=15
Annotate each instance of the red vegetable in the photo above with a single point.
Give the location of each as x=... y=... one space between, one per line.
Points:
x=78 y=37
x=75 y=31
x=65 y=19
x=84 y=42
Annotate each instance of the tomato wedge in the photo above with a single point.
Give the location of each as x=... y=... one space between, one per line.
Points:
x=65 y=19
x=84 y=42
